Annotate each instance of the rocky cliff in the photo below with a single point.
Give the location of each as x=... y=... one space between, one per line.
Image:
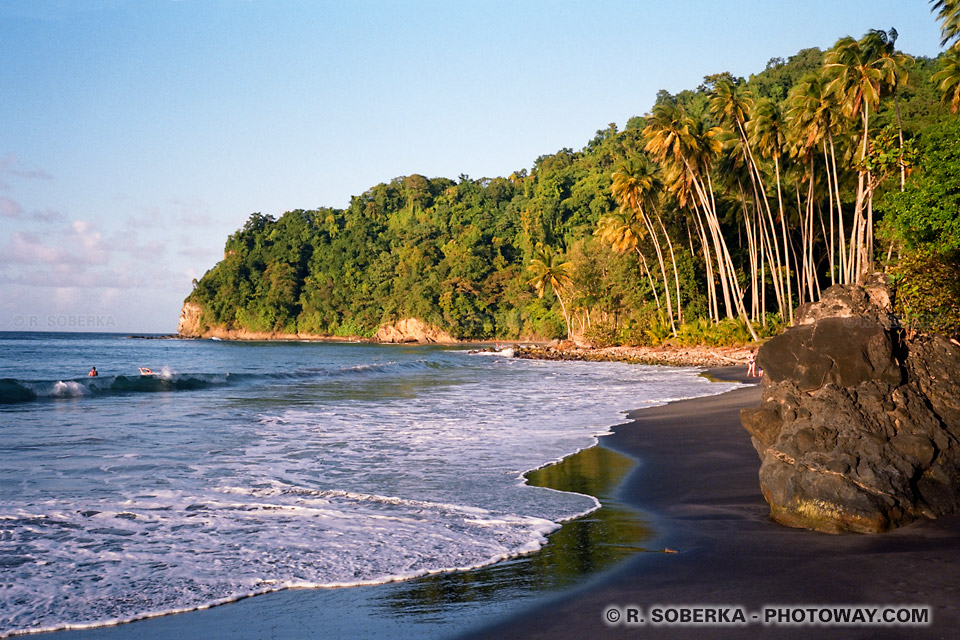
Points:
x=189 y=324
x=858 y=429
x=412 y=330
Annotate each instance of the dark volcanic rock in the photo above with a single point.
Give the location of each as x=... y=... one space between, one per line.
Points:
x=857 y=431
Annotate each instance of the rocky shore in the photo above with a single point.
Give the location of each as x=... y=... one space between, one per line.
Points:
x=699 y=356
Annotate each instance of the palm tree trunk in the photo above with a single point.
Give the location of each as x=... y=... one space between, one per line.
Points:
x=841 y=232
x=800 y=263
x=712 y=302
x=676 y=274
x=563 y=308
x=646 y=269
x=863 y=258
x=808 y=248
x=786 y=243
x=903 y=167
x=832 y=246
x=776 y=268
x=724 y=256
x=663 y=270
x=752 y=253
x=713 y=226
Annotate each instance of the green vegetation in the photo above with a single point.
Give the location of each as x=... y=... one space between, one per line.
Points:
x=707 y=220
x=922 y=226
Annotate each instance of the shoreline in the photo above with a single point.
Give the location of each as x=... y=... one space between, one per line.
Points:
x=672 y=356
x=693 y=482
x=532 y=349
x=698 y=478
x=613 y=532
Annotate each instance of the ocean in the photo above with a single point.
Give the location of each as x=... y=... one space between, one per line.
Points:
x=246 y=468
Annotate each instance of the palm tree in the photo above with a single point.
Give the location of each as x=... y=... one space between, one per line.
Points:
x=623 y=231
x=949 y=16
x=859 y=71
x=948 y=78
x=671 y=143
x=812 y=118
x=768 y=134
x=691 y=147
x=549 y=271
x=731 y=104
x=634 y=184
x=895 y=76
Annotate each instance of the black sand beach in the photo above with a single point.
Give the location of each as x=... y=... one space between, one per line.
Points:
x=698 y=476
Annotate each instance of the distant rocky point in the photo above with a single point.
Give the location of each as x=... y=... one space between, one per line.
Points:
x=405 y=331
x=858 y=429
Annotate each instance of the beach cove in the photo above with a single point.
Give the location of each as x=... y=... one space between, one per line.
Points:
x=242 y=469
x=679 y=491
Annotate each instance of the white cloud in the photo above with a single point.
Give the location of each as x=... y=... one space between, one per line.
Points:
x=80 y=244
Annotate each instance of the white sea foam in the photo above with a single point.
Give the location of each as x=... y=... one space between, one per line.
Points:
x=67 y=389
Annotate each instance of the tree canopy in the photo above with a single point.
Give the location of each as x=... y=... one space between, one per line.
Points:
x=727 y=206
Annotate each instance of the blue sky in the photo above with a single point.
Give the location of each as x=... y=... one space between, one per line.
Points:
x=135 y=136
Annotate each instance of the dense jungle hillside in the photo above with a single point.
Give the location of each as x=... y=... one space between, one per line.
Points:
x=708 y=219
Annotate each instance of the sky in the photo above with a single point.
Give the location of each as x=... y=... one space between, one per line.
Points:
x=136 y=135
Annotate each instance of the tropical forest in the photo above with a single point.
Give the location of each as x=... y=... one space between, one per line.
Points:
x=709 y=219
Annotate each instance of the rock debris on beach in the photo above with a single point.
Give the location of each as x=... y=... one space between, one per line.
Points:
x=699 y=356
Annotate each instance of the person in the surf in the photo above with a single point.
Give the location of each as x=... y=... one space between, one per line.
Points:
x=93 y=372
x=145 y=371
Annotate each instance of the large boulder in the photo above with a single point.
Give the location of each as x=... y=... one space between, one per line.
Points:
x=857 y=429
x=412 y=330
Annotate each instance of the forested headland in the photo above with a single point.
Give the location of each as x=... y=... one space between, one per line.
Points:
x=709 y=219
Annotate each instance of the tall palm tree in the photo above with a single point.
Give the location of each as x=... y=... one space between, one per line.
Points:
x=703 y=153
x=896 y=66
x=731 y=104
x=633 y=186
x=623 y=231
x=949 y=16
x=550 y=271
x=691 y=147
x=667 y=133
x=948 y=79
x=767 y=130
x=672 y=144
x=669 y=141
x=812 y=115
x=859 y=72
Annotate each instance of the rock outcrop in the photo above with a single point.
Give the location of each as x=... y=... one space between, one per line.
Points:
x=858 y=430
x=412 y=330
x=189 y=324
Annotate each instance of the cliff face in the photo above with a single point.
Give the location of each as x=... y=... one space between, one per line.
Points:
x=412 y=330
x=858 y=430
x=189 y=324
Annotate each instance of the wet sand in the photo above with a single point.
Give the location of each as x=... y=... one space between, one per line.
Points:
x=698 y=477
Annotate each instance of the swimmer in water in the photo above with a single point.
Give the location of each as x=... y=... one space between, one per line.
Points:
x=145 y=371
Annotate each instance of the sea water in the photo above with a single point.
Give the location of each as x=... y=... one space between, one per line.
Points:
x=243 y=468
